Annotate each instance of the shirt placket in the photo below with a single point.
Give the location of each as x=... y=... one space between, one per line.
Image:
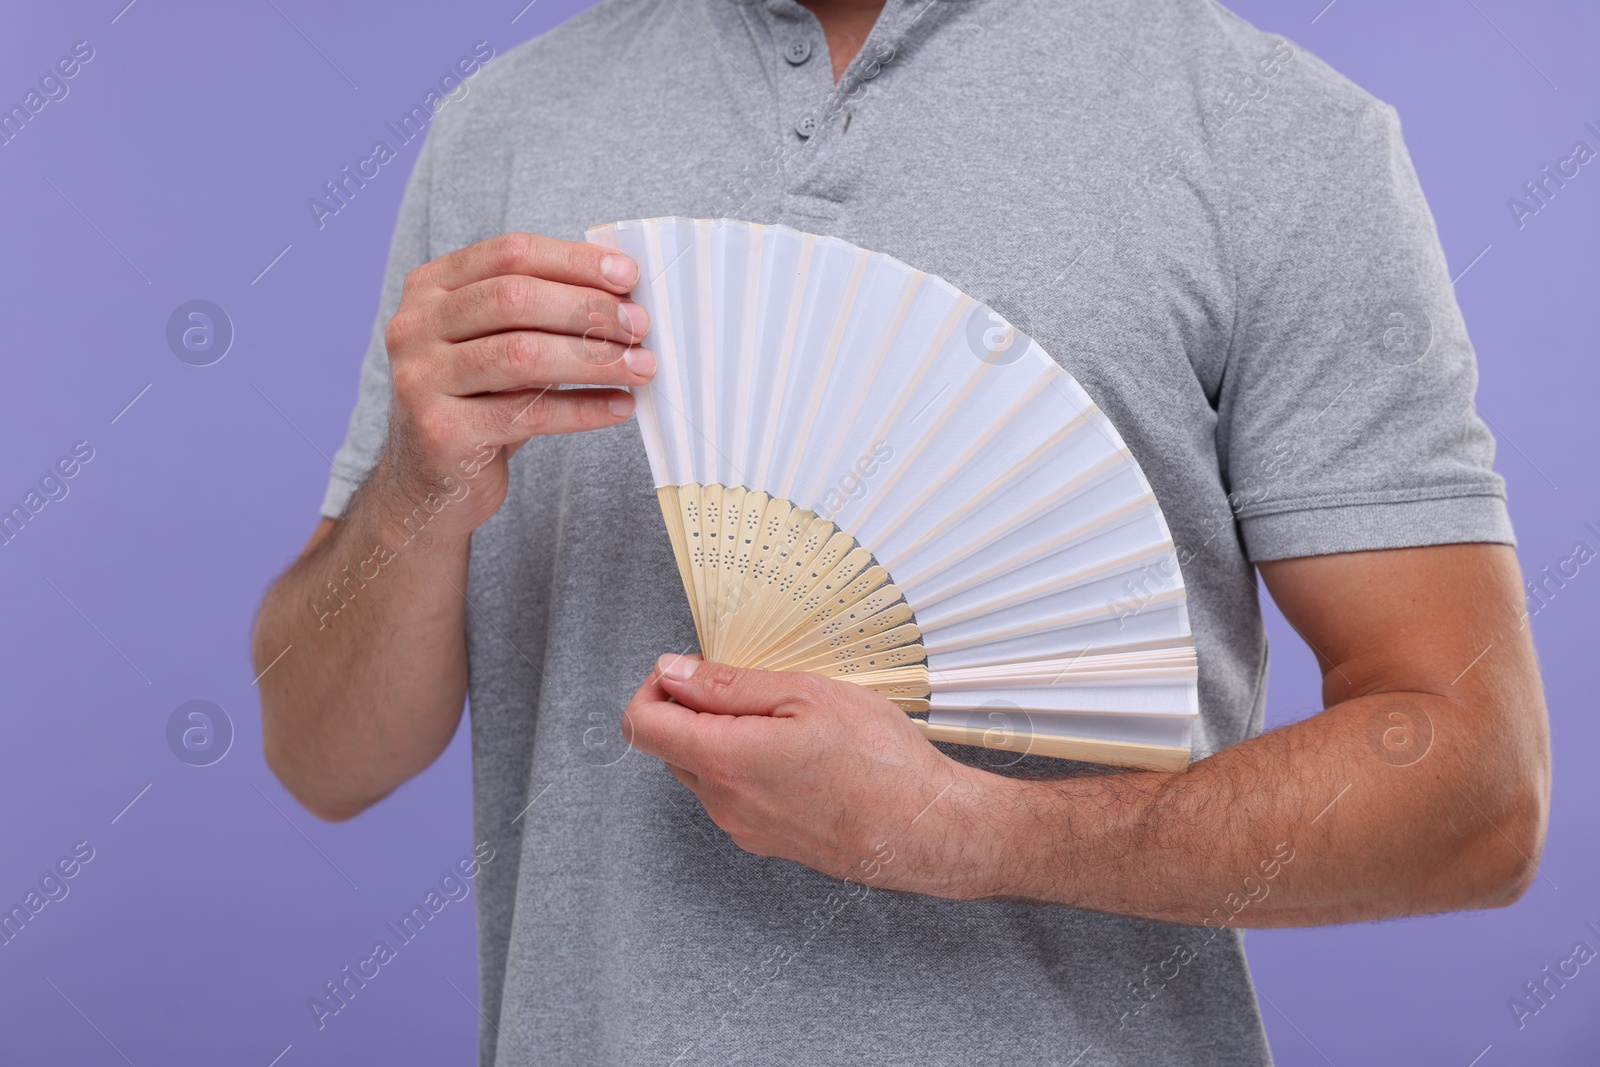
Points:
x=816 y=172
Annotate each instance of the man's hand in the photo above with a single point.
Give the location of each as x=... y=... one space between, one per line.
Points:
x=361 y=644
x=478 y=349
x=1423 y=787
x=811 y=769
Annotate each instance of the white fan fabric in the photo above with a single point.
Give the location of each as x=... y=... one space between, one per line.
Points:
x=1000 y=499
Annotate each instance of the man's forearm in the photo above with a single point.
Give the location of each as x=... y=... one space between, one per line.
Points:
x=1332 y=819
x=362 y=645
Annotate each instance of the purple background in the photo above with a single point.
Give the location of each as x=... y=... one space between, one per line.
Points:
x=179 y=166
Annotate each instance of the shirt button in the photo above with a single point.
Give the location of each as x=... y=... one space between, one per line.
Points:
x=798 y=52
x=806 y=125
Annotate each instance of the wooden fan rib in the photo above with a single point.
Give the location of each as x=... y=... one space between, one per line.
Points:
x=849 y=580
x=1071 y=580
x=953 y=469
x=671 y=511
x=963 y=394
x=1079 y=534
x=784 y=486
x=1081 y=483
x=816 y=640
x=785 y=541
x=874 y=368
x=948 y=520
x=850 y=646
x=741 y=576
x=668 y=387
x=1115 y=753
x=1064 y=621
x=762 y=472
x=822 y=550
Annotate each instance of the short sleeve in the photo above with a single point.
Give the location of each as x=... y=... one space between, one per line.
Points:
x=369 y=422
x=1346 y=415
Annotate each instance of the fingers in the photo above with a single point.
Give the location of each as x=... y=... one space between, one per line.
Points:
x=515 y=302
x=513 y=417
x=522 y=359
x=717 y=687
x=534 y=256
x=677 y=736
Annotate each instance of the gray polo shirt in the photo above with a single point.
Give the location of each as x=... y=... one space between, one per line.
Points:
x=1221 y=238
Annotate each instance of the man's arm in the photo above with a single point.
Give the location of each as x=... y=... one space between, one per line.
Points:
x=1423 y=787
x=361 y=644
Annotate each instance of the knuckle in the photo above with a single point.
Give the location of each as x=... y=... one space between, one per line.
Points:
x=579 y=259
x=718 y=676
x=522 y=349
x=513 y=252
x=400 y=327
x=532 y=417
x=596 y=351
x=512 y=293
x=417 y=278
x=597 y=316
x=406 y=377
x=435 y=430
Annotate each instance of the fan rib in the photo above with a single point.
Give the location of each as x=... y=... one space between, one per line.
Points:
x=747 y=356
x=957 y=402
x=1069 y=580
x=1099 y=524
x=960 y=463
x=995 y=486
x=670 y=383
x=1085 y=480
x=830 y=355
x=779 y=351
x=791 y=331
x=1122 y=753
x=859 y=396
x=916 y=373
x=1063 y=621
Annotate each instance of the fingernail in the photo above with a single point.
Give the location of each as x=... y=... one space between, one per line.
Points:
x=621 y=405
x=619 y=270
x=640 y=360
x=678 y=668
x=631 y=317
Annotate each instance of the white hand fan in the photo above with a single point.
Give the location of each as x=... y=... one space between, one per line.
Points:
x=867 y=474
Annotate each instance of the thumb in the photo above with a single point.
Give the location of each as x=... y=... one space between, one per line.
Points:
x=723 y=689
